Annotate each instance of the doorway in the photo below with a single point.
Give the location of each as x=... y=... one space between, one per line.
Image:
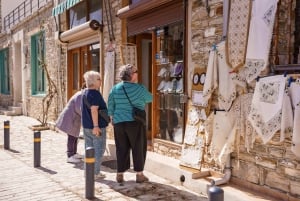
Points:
x=144 y=61
x=80 y=60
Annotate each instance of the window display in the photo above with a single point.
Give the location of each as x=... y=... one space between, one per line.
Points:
x=170 y=82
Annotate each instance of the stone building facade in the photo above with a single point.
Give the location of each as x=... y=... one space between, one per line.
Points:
x=271 y=167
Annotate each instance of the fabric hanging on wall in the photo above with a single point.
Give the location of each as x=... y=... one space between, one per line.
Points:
x=266 y=107
x=109 y=69
x=223 y=137
x=294 y=92
x=296 y=132
x=287 y=117
x=218 y=77
x=237 y=36
x=128 y=54
x=260 y=36
x=241 y=109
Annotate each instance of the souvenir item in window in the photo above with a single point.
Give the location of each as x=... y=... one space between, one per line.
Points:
x=178 y=69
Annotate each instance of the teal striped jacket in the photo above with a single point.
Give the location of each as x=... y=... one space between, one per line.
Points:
x=118 y=105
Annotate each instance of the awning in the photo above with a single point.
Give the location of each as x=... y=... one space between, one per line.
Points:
x=140 y=7
x=62 y=7
x=82 y=31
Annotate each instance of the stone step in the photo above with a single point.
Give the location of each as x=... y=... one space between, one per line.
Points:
x=16 y=109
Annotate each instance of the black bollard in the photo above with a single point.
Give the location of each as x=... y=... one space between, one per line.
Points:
x=37 y=149
x=6 y=134
x=89 y=172
x=215 y=193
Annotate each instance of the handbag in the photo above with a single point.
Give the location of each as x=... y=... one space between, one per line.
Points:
x=137 y=114
x=101 y=113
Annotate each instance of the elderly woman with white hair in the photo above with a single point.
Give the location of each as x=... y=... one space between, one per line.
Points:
x=128 y=133
x=94 y=126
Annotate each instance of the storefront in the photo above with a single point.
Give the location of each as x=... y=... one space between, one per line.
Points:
x=82 y=39
x=157 y=28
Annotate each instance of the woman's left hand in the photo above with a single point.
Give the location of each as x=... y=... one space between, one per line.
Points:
x=97 y=131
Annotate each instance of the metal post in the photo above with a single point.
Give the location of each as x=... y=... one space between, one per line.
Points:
x=89 y=172
x=215 y=193
x=37 y=149
x=6 y=134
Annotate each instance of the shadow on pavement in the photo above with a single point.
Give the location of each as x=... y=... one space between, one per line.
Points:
x=46 y=170
x=152 y=191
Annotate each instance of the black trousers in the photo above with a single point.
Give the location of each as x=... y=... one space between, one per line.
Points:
x=130 y=136
x=72 y=145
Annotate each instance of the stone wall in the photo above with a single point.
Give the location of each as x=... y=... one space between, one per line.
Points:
x=271 y=165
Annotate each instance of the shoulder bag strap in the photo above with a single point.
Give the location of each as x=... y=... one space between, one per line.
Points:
x=86 y=102
x=127 y=95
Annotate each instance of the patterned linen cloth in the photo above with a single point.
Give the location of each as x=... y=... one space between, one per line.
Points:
x=238 y=27
x=266 y=108
x=287 y=117
x=259 y=40
x=222 y=137
x=241 y=109
x=294 y=92
x=109 y=69
x=296 y=132
x=128 y=54
x=218 y=77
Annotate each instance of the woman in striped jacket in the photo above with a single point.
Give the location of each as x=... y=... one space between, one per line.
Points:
x=129 y=134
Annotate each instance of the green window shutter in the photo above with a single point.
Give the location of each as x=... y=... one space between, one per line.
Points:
x=37 y=59
x=4 y=72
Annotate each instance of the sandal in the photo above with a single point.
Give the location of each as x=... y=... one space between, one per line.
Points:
x=120 y=178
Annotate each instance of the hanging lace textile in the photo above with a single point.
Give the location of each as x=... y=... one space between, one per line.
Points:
x=109 y=69
x=294 y=91
x=218 y=77
x=128 y=54
x=266 y=106
x=259 y=40
x=238 y=27
x=223 y=137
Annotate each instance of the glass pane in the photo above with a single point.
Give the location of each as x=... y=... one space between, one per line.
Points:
x=95 y=52
x=169 y=61
x=95 y=10
x=77 y=15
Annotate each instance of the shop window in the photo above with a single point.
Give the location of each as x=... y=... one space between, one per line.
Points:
x=4 y=72
x=38 y=81
x=85 y=11
x=170 y=80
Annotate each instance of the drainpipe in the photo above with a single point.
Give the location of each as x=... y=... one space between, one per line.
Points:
x=227 y=173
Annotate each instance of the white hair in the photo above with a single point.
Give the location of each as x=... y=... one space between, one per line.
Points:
x=91 y=77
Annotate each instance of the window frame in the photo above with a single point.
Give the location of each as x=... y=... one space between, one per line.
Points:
x=87 y=12
x=37 y=61
x=4 y=72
